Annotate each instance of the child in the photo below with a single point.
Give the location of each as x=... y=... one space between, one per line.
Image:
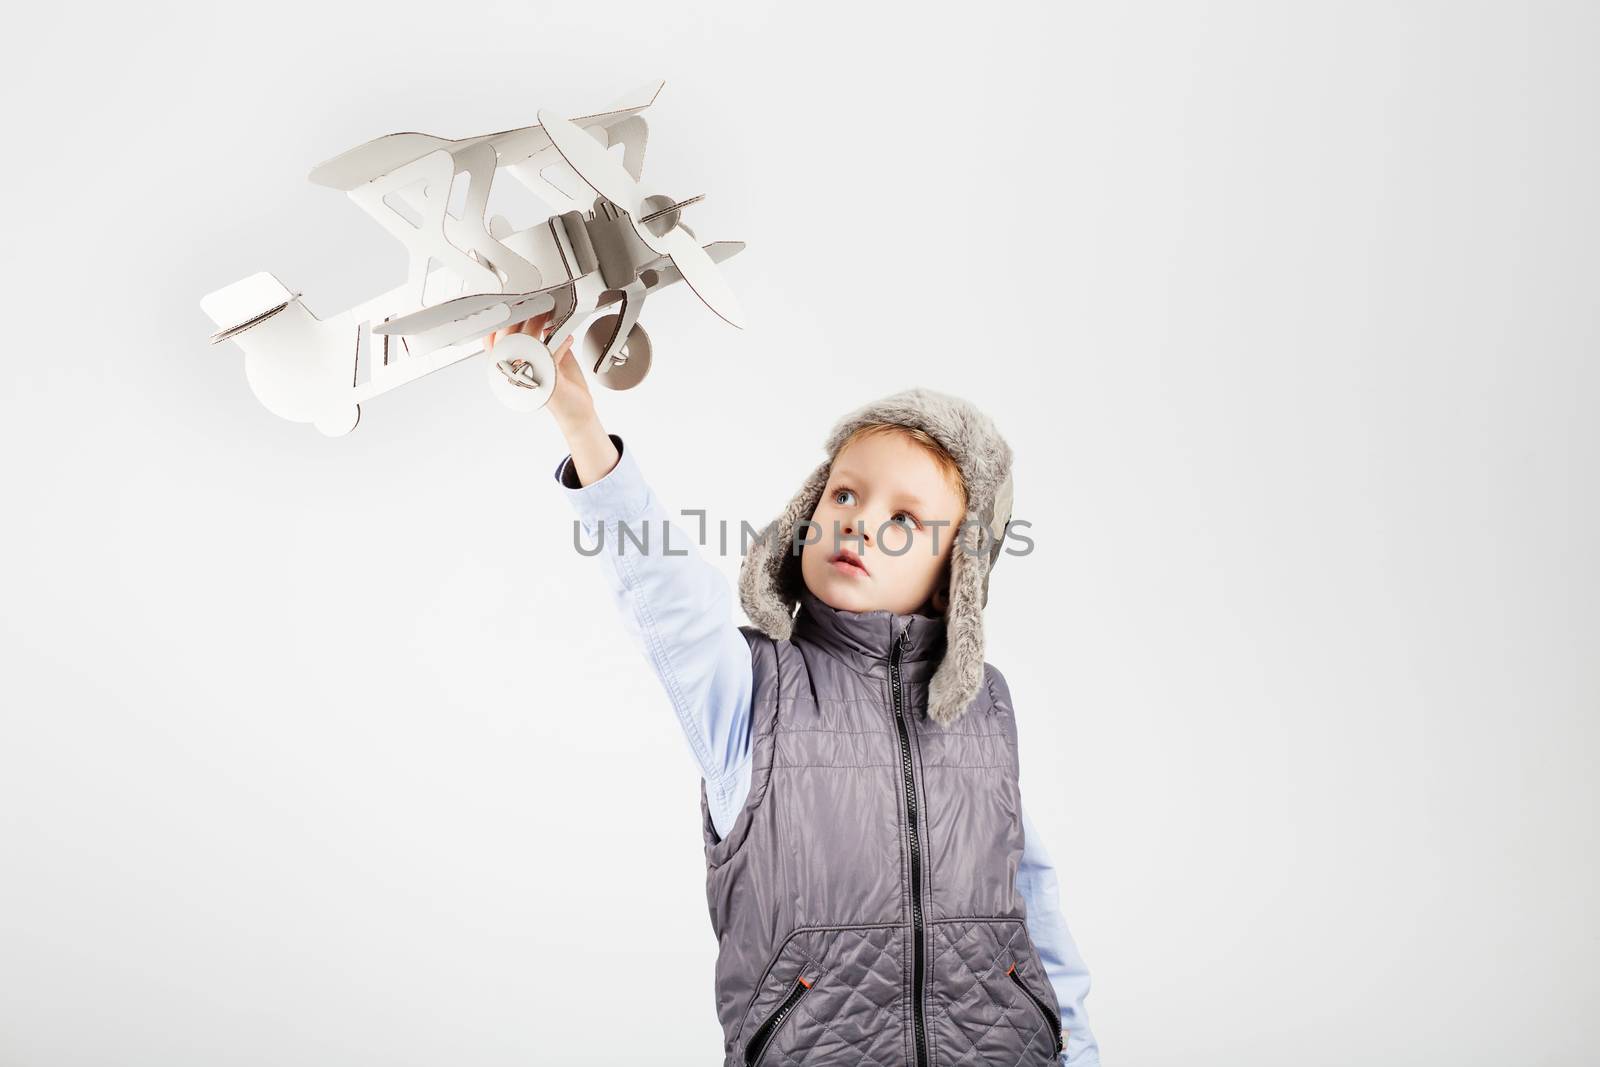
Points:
x=878 y=894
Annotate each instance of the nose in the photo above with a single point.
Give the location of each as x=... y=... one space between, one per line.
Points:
x=857 y=527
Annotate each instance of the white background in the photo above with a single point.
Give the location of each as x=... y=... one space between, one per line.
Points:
x=323 y=751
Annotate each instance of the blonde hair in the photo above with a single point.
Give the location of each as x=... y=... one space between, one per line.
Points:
x=941 y=456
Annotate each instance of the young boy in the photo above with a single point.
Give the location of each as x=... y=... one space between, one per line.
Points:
x=878 y=893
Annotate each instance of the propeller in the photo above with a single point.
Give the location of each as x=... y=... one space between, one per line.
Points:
x=606 y=175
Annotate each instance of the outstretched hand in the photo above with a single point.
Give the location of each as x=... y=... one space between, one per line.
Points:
x=571 y=401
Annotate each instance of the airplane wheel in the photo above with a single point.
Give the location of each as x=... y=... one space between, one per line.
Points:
x=636 y=350
x=522 y=372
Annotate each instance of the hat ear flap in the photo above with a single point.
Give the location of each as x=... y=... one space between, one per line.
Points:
x=960 y=674
x=769 y=578
x=996 y=519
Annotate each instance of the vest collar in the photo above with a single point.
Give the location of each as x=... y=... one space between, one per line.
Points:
x=865 y=639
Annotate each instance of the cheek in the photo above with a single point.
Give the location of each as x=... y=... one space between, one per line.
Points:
x=906 y=549
x=818 y=535
x=927 y=555
x=821 y=523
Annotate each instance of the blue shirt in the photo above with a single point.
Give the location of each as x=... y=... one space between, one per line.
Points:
x=679 y=609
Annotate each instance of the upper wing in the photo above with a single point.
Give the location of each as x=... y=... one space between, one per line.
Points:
x=377 y=157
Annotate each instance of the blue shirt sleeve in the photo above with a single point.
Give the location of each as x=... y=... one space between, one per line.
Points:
x=1036 y=880
x=678 y=608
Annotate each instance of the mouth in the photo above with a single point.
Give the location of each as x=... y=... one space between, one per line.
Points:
x=848 y=562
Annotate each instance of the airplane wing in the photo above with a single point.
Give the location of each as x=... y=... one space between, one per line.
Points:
x=520 y=305
x=526 y=305
x=377 y=157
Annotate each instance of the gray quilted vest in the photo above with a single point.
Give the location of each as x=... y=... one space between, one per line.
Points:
x=865 y=900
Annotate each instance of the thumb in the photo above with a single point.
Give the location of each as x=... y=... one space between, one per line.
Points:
x=563 y=352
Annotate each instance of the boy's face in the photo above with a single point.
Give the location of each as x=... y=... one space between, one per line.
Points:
x=884 y=494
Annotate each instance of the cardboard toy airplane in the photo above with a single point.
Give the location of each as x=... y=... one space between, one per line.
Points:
x=470 y=276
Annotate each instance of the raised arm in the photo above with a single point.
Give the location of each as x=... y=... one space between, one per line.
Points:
x=679 y=610
x=676 y=604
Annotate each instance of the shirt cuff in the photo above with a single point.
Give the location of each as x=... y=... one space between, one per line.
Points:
x=621 y=494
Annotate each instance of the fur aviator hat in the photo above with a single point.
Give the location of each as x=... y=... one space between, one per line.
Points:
x=770 y=580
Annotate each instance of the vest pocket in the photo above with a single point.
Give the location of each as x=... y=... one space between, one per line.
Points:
x=980 y=964
x=765 y=1032
x=1049 y=1016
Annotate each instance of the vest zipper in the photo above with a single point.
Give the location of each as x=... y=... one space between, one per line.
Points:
x=1049 y=1016
x=763 y=1037
x=918 y=1021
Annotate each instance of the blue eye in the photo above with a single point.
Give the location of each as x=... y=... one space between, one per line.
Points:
x=913 y=523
